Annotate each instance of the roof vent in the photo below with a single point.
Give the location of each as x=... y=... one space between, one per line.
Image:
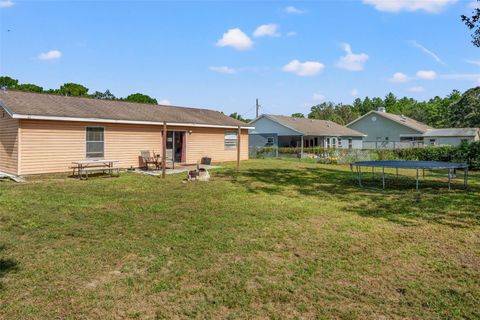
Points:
x=382 y=109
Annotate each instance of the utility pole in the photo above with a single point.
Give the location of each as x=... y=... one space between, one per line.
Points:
x=258 y=107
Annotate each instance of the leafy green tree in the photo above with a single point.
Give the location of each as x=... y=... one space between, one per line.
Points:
x=325 y=111
x=239 y=117
x=473 y=23
x=8 y=83
x=29 y=87
x=107 y=95
x=298 y=115
x=73 y=89
x=390 y=102
x=466 y=111
x=141 y=98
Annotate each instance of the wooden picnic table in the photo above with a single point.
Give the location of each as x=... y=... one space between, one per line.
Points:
x=85 y=166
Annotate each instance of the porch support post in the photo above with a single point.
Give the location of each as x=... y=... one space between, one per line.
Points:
x=239 y=133
x=301 y=147
x=164 y=148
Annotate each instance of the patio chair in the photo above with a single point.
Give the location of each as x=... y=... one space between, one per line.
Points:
x=147 y=159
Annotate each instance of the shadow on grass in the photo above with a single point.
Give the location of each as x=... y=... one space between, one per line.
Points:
x=6 y=266
x=400 y=203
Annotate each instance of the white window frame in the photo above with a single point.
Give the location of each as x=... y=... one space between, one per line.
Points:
x=86 y=142
x=228 y=142
x=350 y=143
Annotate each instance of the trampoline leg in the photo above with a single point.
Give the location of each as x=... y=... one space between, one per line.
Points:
x=465 y=178
x=423 y=173
x=417 y=181
x=359 y=176
x=383 y=178
x=397 y=172
x=449 y=179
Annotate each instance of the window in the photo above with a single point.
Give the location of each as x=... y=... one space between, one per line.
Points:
x=350 y=143
x=334 y=142
x=328 y=142
x=270 y=141
x=339 y=142
x=95 y=142
x=230 y=140
x=432 y=142
x=386 y=138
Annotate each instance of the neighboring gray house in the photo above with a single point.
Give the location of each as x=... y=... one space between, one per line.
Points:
x=283 y=131
x=387 y=130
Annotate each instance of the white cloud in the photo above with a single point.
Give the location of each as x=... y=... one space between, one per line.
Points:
x=426 y=74
x=352 y=61
x=304 y=69
x=6 y=3
x=50 y=55
x=474 y=4
x=291 y=34
x=223 y=69
x=165 y=102
x=460 y=76
x=430 y=6
x=354 y=92
x=267 y=30
x=416 y=89
x=474 y=62
x=399 y=77
x=235 y=38
x=318 y=97
x=293 y=10
x=428 y=52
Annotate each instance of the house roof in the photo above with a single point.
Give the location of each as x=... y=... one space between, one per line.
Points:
x=313 y=127
x=452 y=132
x=26 y=105
x=406 y=121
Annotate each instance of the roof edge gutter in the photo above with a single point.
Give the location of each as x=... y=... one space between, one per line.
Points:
x=155 y=123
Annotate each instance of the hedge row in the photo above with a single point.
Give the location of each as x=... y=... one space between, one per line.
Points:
x=466 y=152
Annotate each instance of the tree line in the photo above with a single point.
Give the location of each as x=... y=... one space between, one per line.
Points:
x=455 y=110
x=73 y=90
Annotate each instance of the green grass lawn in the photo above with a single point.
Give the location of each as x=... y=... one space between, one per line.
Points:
x=280 y=239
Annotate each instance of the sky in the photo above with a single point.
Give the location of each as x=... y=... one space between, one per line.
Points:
x=223 y=55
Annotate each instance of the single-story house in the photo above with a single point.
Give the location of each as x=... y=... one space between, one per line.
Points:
x=42 y=133
x=451 y=136
x=388 y=130
x=282 y=131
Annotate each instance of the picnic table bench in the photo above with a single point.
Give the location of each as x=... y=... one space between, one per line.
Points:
x=83 y=167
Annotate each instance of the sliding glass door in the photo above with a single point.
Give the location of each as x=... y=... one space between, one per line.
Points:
x=176 y=145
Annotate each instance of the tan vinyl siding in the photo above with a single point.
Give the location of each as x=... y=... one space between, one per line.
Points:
x=8 y=143
x=52 y=146
x=210 y=142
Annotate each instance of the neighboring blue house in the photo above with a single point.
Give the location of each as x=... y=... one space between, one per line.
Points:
x=283 y=131
x=387 y=130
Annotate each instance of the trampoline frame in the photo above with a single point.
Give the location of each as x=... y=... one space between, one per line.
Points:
x=407 y=164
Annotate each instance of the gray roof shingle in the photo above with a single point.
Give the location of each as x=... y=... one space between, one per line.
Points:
x=313 y=127
x=452 y=132
x=47 y=105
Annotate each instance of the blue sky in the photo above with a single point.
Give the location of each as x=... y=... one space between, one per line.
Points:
x=222 y=55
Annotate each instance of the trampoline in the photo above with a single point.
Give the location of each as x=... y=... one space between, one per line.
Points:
x=450 y=167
